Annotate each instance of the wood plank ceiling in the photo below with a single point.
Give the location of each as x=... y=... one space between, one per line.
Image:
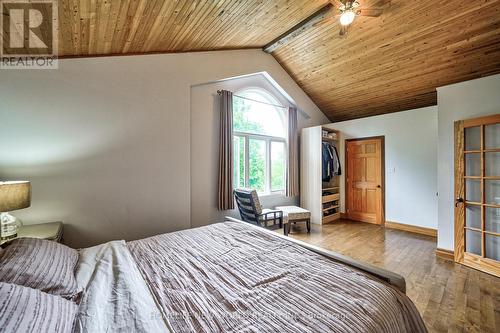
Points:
x=96 y=27
x=386 y=64
x=395 y=62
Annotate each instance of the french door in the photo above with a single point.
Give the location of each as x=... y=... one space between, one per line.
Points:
x=477 y=193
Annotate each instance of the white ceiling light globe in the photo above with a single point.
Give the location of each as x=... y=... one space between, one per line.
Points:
x=347 y=17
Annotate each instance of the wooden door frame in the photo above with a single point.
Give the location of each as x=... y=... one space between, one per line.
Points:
x=382 y=171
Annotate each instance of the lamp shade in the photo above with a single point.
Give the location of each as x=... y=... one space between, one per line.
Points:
x=14 y=195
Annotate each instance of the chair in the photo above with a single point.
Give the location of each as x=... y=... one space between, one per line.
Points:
x=251 y=210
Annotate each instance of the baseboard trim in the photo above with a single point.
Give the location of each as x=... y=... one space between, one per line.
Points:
x=445 y=254
x=411 y=228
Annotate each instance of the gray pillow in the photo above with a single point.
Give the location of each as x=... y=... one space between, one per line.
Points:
x=40 y=264
x=28 y=310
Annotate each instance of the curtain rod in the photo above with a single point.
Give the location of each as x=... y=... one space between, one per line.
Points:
x=305 y=115
x=254 y=100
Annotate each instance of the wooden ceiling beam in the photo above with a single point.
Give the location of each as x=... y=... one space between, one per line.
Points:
x=298 y=29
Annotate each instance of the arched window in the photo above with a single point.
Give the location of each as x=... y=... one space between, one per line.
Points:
x=260 y=131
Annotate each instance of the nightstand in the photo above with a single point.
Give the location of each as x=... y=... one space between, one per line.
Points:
x=51 y=231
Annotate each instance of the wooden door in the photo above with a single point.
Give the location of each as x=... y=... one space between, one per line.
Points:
x=477 y=193
x=364 y=178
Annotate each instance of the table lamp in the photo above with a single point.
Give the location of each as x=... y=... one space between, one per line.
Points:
x=13 y=196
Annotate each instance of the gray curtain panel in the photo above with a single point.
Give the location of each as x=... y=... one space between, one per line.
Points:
x=225 y=189
x=292 y=171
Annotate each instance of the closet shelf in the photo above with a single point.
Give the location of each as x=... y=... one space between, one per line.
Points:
x=330 y=198
x=330 y=218
x=331 y=207
x=330 y=188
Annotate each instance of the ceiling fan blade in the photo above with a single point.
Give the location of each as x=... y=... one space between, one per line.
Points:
x=370 y=12
x=338 y=3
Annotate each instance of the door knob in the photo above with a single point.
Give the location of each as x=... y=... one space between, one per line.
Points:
x=458 y=200
x=378 y=186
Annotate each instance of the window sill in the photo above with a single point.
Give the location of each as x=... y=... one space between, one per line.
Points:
x=271 y=195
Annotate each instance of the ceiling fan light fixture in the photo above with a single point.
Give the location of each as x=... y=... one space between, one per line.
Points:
x=347 y=17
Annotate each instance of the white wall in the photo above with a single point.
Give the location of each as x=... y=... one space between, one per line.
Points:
x=106 y=141
x=410 y=162
x=459 y=101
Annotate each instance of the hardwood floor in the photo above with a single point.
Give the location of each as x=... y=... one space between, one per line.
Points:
x=450 y=297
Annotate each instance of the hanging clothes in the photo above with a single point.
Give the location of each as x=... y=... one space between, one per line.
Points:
x=325 y=163
x=330 y=162
x=337 y=170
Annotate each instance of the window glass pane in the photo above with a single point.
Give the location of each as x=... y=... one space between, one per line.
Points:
x=257 y=164
x=473 y=164
x=492 y=136
x=473 y=190
x=472 y=241
x=239 y=162
x=260 y=118
x=473 y=138
x=492 y=191
x=492 y=222
x=492 y=247
x=492 y=164
x=473 y=216
x=277 y=166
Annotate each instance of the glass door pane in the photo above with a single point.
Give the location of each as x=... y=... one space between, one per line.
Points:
x=492 y=247
x=473 y=190
x=492 y=164
x=492 y=191
x=473 y=138
x=473 y=216
x=492 y=136
x=473 y=164
x=492 y=222
x=473 y=241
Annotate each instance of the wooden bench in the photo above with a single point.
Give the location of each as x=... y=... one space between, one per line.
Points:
x=294 y=214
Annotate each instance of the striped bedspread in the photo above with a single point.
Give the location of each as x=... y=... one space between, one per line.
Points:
x=232 y=277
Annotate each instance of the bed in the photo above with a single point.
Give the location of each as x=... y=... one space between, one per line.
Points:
x=233 y=277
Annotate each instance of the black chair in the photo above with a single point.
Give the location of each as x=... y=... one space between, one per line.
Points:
x=251 y=210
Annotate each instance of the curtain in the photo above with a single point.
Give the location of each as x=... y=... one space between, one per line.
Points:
x=225 y=188
x=292 y=170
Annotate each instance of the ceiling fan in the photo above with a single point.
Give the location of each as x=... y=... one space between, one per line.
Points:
x=348 y=12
